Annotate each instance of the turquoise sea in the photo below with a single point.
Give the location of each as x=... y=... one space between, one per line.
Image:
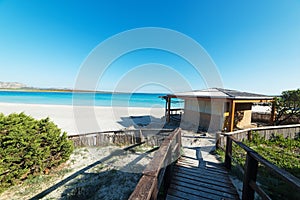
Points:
x=96 y=99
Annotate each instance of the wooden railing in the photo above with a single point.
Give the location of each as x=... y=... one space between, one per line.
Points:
x=251 y=167
x=159 y=171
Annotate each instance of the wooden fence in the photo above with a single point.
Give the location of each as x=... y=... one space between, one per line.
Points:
x=250 y=185
x=159 y=171
x=152 y=137
x=265 y=118
x=288 y=131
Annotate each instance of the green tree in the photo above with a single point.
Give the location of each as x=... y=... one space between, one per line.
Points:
x=287 y=106
x=29 y=147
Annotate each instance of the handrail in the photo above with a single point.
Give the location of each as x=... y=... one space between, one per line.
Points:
x=159 y=168
x=251 y=167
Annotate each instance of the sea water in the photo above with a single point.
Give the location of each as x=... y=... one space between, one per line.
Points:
x=86 y=98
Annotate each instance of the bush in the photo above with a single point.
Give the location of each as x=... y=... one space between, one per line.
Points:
x=29 y=147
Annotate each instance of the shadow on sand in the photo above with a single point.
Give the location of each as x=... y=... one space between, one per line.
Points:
x=148 y=122
x=141 y=121
x=103 y=185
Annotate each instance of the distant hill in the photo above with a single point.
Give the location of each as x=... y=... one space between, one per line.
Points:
x=12 y=85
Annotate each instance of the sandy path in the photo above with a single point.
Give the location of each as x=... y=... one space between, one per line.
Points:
x=93 y=173
x=83 y=119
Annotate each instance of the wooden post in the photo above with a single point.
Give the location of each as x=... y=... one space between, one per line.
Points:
x=232 y=110
x=273 y=113
x=169 y=109
x=141 y=137
x=168 y=171
x=218 y=139
x=249 y=176
x=249 y=135
x=179 y=141
x=166 y=105
x=228 y=152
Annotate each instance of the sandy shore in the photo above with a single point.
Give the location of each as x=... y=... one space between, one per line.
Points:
x=83 y=119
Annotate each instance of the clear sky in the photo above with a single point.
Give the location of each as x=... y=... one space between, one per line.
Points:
x=254 y=44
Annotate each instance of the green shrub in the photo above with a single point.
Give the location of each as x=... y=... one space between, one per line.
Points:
x=29 y=147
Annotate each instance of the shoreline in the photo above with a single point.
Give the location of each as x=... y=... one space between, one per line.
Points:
x=86 y=119
x=71 y=91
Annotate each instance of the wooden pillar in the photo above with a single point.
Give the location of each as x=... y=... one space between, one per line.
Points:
x=169 y=109
x=232 y=111
x=228 y=152
x=166 y=106
x=273 y=113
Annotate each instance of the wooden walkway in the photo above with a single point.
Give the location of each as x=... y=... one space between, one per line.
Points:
x=195 y=178
x=197 y=174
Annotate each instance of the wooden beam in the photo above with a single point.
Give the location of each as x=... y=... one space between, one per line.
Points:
x=253 y=101
x=232 y=111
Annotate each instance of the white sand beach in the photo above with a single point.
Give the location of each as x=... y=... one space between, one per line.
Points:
x=83 y=119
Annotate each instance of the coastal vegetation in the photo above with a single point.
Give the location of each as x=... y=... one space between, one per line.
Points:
x=29 y=148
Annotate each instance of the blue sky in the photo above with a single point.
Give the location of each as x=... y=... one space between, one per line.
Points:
x=254 y=44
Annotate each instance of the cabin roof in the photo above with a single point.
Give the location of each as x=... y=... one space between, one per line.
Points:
x=220 y=93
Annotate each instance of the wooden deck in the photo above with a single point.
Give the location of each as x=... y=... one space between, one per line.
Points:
x=194 y=178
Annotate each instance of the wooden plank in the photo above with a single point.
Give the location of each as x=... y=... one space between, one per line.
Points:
x=202 y=185
x=171 y=197
x=221 y=168
x=187 y=157
x=200 y=170
x=213 y=182
x=186 y=166
x=188 y=161
x=195 y=192
x=203 y=169
x=215 y=165
x=216 y=170
x=203 y=176
x=192 y=164
x=183 y=195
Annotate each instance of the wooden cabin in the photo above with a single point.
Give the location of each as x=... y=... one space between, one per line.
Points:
x=216 y=109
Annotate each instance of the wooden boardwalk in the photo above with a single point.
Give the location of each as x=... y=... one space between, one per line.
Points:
x=198 y=174
x=198 y=179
